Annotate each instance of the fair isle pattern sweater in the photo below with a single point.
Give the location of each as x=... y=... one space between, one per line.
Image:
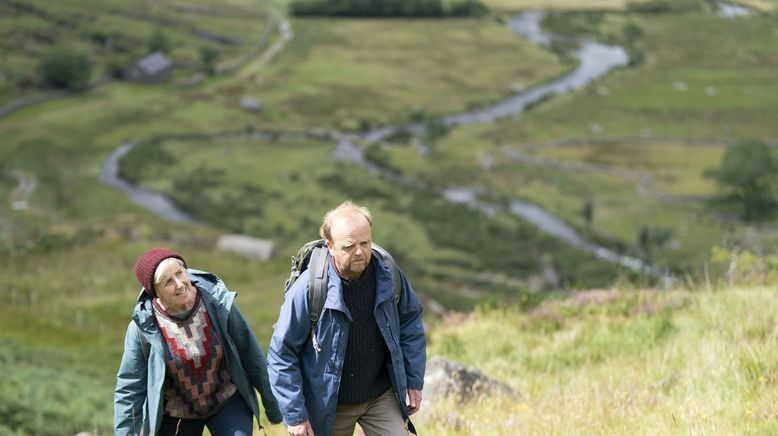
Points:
x=197 y=382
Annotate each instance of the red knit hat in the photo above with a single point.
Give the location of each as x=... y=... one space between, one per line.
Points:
x=147 y=264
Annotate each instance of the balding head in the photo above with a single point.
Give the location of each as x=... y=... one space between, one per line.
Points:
x=347 y=230
x=346 y=208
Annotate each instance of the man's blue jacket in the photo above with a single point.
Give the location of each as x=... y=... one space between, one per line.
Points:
x=306 y=381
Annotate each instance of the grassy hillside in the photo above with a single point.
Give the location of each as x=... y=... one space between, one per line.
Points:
x=619 y=362
x=114 y=34
x=66 y=287
x=636 y=144
x=211 y=167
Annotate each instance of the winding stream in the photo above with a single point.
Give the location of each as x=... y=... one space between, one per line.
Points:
x=151 y=200
x=596 y=60
x=728 y=10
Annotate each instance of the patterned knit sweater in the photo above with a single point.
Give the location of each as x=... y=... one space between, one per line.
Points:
x=197 y=381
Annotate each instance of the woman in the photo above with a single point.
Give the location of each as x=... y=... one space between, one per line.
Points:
x=190 y=359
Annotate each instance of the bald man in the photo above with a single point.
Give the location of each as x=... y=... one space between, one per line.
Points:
x=367 y=363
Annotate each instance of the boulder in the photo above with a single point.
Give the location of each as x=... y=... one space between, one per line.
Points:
x=445 y=378
x=247 y=246
x=250 y=104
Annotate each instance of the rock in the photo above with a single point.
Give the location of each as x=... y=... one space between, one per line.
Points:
x=247 y=246
x=193 y=80
x=445 y=378
x=150 y=69
x=250 y=104
x=452 y=420
x=434 y=307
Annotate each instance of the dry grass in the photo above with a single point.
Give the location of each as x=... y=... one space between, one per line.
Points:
x=701 y=363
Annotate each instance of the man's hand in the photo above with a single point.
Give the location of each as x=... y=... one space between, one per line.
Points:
x=303 y=429
x=414 y=401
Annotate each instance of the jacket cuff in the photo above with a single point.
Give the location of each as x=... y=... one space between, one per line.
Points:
x=274 y=416
x=295 y=419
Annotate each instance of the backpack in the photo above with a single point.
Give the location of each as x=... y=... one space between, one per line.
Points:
x=314 y=257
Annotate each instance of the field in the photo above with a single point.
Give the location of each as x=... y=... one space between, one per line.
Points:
x=633 y=146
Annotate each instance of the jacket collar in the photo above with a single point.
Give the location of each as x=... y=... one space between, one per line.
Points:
x=384 y=290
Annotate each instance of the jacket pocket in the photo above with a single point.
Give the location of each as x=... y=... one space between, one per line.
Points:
x=391 y=331
x=329 y=337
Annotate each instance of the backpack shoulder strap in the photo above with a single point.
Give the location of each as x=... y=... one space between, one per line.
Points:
x=317 y=287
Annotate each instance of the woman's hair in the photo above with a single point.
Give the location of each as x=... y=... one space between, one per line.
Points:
x=326 y=225
x=165 y=266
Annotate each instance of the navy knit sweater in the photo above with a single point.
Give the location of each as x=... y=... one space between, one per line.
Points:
x=365 y=376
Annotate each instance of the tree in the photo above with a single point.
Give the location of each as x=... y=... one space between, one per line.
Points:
x=632 y=32
x=388 y=8
x=746 y=169
x=65 y=68
x=587 y=212
x=209 y=56
x=159 y=41
x=650 y=237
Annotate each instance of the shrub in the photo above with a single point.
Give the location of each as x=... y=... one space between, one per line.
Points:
x=115 y=68
x=388 y=8
x=208 y=57
x=469 y=8
x=159 y=41
x=742 y=267
x=747 y=171
x=49 y=393
x=667 y=6
x=65 y=68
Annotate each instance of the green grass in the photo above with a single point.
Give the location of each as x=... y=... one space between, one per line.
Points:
x=607 y=174
x=394 y=67
x=118 y=33
x=713 y=85
x=286 y=201
x=621 y=123
x=227 y=180
x=40 y=391
x=522 y=5
x=620 y=362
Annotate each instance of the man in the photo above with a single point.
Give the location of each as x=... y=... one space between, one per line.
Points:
x=370 y=350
